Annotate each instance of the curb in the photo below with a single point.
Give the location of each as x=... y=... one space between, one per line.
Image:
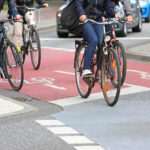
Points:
x=12 y=107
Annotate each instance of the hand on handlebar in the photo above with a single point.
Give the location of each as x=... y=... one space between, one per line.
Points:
x=18 y=17
x=130 y=18
x=83 y=18
x=45 y=5
x=116 y=15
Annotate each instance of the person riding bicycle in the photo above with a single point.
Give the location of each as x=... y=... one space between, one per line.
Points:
x=127 y=10
x=13 y=11
x=91 y=32
x=25 y=16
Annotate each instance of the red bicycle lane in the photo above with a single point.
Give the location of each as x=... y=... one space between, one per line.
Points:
x=55 y=78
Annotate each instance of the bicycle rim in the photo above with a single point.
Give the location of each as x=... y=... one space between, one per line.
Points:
x=35 y=49
x=118 y=47
x=110 y=77
x=83 y=88
x=13 y=68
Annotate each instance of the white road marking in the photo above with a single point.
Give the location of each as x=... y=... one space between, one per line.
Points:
x=144 y=75
x=64 y=72
x=77 y=100
x=72 y=39
x=79 y=139
x=62 y=130
x=92 y=147
x=64 y=134
x=50 y=122
x=60 y=49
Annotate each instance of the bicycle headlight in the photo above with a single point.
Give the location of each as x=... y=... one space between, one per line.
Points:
x=107 y=38
x=59 y=15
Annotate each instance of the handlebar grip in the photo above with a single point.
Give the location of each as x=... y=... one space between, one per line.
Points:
x=40 y=6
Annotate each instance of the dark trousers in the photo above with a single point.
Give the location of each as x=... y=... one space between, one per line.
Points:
x=93 y=34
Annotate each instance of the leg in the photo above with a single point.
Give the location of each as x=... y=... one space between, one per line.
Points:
x=18 y=34
x=90 y=36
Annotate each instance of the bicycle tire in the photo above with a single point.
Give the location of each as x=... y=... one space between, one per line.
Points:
x=12 y=66
x=83 y=89
x=109 y=72
x=24 y=46
x=35 y=51
x=119 y=48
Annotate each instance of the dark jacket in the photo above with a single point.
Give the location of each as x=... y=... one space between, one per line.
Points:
x=97 y=9
x=28 y=3
x=11 y=5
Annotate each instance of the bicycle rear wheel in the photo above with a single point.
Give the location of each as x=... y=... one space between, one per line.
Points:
x=83 y=88
x=119 y=48
x=12 y=66
x=35 y=49
x=110 y=77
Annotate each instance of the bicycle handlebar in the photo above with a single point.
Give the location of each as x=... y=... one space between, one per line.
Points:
x=31 y=8
x=106 y=22
x=4 y=21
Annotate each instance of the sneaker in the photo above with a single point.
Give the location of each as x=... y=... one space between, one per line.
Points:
x=86 y=73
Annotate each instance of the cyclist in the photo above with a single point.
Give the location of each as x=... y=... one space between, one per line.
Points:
x=93 y=33
x=13 y=11
x=127 y=9
x=25 y=14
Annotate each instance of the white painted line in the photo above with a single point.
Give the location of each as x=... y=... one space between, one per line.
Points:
x=60 y=49
x=64 y=72
x=90 y=147
x=49 y=122
x=62 y=130
x=79 y=139
x=72 y=39
x=96 y=96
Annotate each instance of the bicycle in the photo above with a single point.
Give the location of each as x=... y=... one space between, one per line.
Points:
x=119 y=48
x=12 y=68
x=31 y=40
x=109 y=78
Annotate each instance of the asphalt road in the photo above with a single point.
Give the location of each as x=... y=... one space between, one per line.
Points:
x=82 y=124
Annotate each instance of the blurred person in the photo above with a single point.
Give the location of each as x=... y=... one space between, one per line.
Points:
x=26 y=17
x=13 y=11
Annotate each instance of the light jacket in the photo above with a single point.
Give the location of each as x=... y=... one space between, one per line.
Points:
x=97 y=9
x=11 y=5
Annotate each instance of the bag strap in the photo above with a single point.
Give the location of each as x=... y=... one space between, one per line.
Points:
x=88 y=8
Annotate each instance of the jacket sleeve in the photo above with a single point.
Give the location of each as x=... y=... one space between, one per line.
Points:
x=79 y=7
x=40 y=2
x=127 y=6
x=109 y=8
x=12 y=7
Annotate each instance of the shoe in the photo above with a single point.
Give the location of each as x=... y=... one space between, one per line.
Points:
x=86 y=73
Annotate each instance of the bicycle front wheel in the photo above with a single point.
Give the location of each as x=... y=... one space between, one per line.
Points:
x=83 y=88
x=12 y=66
x=110 y=77
x=119 y=48
x=35 y=49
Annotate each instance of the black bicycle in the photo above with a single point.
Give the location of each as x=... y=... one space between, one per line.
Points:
x=12 y=68
x=105 y=69
x=31 y=40
x=119 y=48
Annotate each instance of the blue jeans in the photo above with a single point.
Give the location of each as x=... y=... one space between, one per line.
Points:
x=1 y=51
x=93 y=34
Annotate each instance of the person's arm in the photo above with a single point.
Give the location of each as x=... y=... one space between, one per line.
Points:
x=42 y=2
x=13 y=9
x=127 y=7
x=109 y=8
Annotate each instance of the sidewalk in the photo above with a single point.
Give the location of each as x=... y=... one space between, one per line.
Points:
x=47 y=20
